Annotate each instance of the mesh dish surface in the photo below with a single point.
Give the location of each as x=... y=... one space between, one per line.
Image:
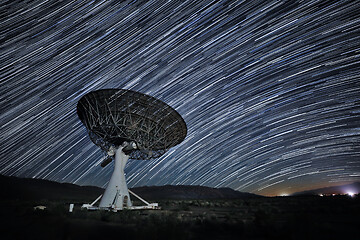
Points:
x=113 y=116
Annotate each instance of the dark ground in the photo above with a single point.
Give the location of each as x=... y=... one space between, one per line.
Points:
x=235 y=216
x=303 y=217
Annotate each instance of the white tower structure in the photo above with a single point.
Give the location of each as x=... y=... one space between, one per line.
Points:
x=128 y=124
x=116 y=195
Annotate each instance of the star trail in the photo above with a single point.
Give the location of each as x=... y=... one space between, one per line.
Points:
x=269 y=90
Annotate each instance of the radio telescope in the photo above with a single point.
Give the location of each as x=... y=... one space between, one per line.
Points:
x=128 y=124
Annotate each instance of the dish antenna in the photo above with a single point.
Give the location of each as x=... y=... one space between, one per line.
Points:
x=128 y=124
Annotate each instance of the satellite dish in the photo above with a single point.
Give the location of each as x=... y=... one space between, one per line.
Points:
x=127 y=124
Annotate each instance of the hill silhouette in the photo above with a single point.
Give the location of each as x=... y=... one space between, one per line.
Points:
x=342 y=189
x=37 y=189
x=181 y=192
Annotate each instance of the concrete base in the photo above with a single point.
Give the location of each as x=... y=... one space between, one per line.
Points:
x=93 y=208
x=116 y=196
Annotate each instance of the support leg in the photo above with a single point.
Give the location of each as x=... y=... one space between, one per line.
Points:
x=116 y=195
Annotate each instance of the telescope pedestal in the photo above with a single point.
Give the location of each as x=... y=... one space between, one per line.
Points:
x=116 y=195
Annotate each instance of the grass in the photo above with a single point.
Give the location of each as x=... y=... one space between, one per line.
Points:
x=265 y=218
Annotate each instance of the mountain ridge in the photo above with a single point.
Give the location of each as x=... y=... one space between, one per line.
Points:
x=39 y=189
x=190 y=192
x=340 y=189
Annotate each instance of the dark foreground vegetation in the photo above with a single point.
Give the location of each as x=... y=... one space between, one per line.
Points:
x=302 y=217
x=210 y=214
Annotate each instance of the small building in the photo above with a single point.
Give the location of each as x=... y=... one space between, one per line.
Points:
x=39 y=207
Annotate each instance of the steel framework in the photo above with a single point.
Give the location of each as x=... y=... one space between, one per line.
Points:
x=113 y=116
x=128 y=124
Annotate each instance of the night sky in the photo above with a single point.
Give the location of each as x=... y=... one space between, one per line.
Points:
x=269 y=90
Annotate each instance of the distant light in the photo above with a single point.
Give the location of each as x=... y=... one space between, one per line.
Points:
x=284 y=194
x=321 y=195
x=351 y=194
